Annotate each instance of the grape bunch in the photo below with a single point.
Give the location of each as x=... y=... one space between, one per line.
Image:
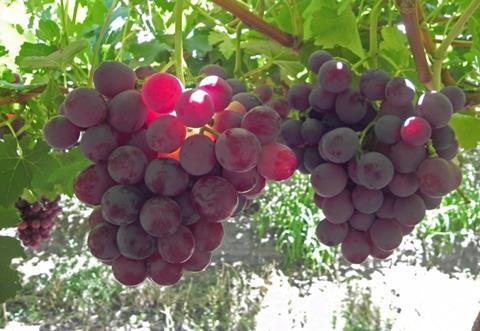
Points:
x=169 y=165
x=377 y=158
x=37 y=220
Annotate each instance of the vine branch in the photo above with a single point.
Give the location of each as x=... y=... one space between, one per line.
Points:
x=255 y=22
x=408 y=11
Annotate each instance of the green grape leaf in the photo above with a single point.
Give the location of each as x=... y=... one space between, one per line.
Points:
x=48 y=31
x=28 y=50
x=3 y=51
x=14 y=173
x=467 y=130
x=149 y=50
x=56 y=59
x=260 y=45
x=332 y=24
x=9 y=217
x=198 y=42
x=394 y=45
x=42 y=163
x=224 y=42
x=10 y=281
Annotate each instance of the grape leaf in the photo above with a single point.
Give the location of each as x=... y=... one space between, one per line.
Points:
x=225 y=43
x=3 y=51
x=48 y=30
x=9 y=217
x=467 y=130
x=28 y=49
x=337 y=26
x=9 y=278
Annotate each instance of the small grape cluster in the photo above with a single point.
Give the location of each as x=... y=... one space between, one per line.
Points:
x=170 y=164
x=376 y=158
x=37 y=220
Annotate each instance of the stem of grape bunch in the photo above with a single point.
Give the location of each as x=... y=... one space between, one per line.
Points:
x=179 y=40
x=210 y=130
x=373 y=47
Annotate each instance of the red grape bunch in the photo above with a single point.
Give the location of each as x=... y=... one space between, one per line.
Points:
x=170 y=164
x=37 y=220
x=377 y=158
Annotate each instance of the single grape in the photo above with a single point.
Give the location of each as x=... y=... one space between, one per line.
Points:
x=430 y=202
x=317 y=59
x=237 y=150
x=386 y=211
x=99 y=142
x=339 y=145
x=281 y=106
x=178 y=247
x=435 y=108
x=161 y=92
x=291 y=132
x=410 y=210
x=257 y=190
x=226 y=119
x=404 y=185
x=95 y=218
x=139 y=140
x=214 y=198
x=328 y=179
x=350 y=106
x=312 y=130
x=195 y=108
x=366 y=200
x=144 y=72
x=264 y=123
x=443 y=138
x=406 y=158
x=102 y=242
x=126 y=165
x=133 y=242
x=450 y=152
x=85 y=107
x=331 y=234
x=242 y=181
x=237 y=107
x=360 y=221
x=378 y=253
x=166 y=134
x=338 y=209
x=456 y=96
x=399 y=91
x=166 y=177
x=402 y=112
x=435 y=177
x=236 y=85
x=335 y=76
x=385 y=234
x=129 y=272
x=297 y=96
x=112 y=77
x=375 y=170
x=127 y=112
x=213 y=70
x=355 y=247
x=218 y=89
x=321 y=100
x=160 y=216
x=189 y=215
x=162 y=272
x=208 y=235
x=199 y=261
x=248 y=100
x=311 y=159
x=92 y=183
x=264 y=93
x=197 y=155
x=415 y=131
x=387 y=129
x=372 y=84
x=60 y=133
x=277 y=162
x=121 y=204
x=352 y=171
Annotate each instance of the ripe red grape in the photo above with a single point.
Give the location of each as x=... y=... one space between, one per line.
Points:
x=197 y=155
x=95 y=218
x=237 y=150
x=127 y=112
x=195 y=108
x=404 y=185
x=160 y=216
x=162 y=272
x=321 y=100
x=214 y=198
x=311 y=159
x=281 y=106
x=387 y=209
x=317 y=59
x=366 y=200
x=208 y=235
x=237 y=86
x=213 y=70
x=144 y=72
x=218 y=89
x=92 y=183
x=360 y=221
x=339 y=145
x=166 y=177
x=248 y=100
x=410 y=210
x=415 y=131
x=133 y=242
x=402 y=112
x=60 y=133
x=257 y=190
x=264 y=123
x=355 y=247
x=98 y=142
x=178 y=247
x=331 y=234
x=85 y=107
x=312 y=130
x=126 y=165
x=102 y=242
x=139 y=140
x=291 y=132
x=375 y=170
x=329 y=179
x=198 y=261
x=335 y=76
x=166 y=134
x=338 y=209
x=350 y=106
x=385 y=234
x=399 y=91
x=435 y=108
x=111 y=78
x=276 y=162
x=297 y=96
x=372 y=84
x=443 y=138
x=387 y=129
x=121 y=204
x=129 y=272
x=456 y=96
x=161 y=92
x=242 y=181
x=189 y=215
x=226 y=119
x=406 y=158
x=435 y=177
